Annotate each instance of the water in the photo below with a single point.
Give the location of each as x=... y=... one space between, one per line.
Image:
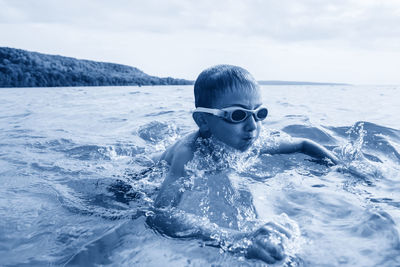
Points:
x=77 y=181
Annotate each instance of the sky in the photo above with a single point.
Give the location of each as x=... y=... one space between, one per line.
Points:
x=344 y=41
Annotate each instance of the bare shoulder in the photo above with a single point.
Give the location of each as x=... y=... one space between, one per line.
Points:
x=183 y=148
x=176 y=156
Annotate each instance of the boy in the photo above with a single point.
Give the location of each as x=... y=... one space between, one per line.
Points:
x=229 y=111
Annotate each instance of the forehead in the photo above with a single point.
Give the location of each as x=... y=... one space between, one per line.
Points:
x=246 y=97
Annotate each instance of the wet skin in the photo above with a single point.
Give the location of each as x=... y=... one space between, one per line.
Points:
x=237 y=135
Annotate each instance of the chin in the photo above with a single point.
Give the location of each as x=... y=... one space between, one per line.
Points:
x=244 y=147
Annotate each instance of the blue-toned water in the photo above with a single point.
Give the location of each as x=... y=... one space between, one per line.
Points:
x=77 y=181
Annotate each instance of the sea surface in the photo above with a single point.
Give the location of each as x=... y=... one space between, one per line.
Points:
x=77 y=180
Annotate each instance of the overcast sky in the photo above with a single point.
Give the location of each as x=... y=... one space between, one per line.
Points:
x=351 y=41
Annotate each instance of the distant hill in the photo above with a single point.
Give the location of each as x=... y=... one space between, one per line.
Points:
x=296 y=83
x=21 y=68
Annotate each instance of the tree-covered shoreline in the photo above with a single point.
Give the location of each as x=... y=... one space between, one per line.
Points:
x=21 y=68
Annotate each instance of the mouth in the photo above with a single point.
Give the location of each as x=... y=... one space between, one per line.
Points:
x=249 y=138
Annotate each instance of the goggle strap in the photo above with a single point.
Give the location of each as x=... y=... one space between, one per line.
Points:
x=216 y=112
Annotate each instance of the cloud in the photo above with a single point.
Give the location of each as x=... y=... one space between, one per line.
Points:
x=284 y=20
x=337 y=40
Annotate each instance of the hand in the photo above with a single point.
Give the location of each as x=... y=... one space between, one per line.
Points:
x=266 y=243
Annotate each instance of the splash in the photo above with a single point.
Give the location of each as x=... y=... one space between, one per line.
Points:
x=213 y=155
x=352 y=150
x=159 y=134
x=352 y=158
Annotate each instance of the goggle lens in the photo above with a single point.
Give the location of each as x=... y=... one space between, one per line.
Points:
x=239 y=115
x=262 y=114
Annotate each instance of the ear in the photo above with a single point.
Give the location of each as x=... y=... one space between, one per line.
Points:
x=202 y=122
x=200 y=119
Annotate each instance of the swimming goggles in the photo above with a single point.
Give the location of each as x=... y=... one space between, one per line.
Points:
x=236 y=114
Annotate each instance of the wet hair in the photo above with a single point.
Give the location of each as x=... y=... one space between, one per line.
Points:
x=220 y=79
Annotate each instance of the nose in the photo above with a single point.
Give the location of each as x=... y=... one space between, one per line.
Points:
x=251 y=124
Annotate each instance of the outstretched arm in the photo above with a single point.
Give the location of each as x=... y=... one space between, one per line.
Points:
x=260 y=244
x=305 y=146
x=178 y=223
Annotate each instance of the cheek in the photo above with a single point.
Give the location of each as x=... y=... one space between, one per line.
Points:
x=227 y=131
x=234 y=133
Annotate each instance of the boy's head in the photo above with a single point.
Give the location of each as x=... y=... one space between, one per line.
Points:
x=228 y=87
x=213 y=82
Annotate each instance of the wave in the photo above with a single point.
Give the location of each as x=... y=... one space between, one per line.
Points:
x=159 y=133
x=126 y=192
x=372 y=139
